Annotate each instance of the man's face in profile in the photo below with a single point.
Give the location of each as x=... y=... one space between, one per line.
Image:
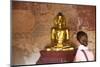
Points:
x=84 y=40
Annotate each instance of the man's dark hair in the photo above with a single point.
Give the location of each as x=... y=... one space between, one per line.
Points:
x=80 y=34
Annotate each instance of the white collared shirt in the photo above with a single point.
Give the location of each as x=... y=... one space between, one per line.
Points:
x=81 y=56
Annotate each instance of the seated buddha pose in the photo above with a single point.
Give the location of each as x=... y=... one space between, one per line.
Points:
x=59 y=33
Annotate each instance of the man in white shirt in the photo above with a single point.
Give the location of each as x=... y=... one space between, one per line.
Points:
x=83 y=53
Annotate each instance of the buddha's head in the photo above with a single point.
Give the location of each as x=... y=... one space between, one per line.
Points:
x=59 y=21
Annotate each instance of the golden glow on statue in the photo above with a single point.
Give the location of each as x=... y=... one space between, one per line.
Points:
x=59 y=34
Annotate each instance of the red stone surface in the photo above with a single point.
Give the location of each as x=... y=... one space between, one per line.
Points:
x=56 y=57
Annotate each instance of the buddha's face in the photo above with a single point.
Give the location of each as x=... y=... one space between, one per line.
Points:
x=60 y=22
x=59 y=17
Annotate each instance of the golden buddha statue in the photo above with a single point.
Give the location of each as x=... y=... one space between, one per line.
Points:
x=59 y=34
